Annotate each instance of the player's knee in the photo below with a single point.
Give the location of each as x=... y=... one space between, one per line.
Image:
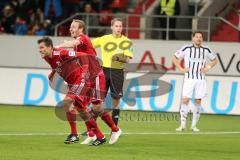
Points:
x=84 y=115
x=66 y=103
x=116 y=96
x=98 y=109
x=185 y=100
x=115 y=103
x=198 y=102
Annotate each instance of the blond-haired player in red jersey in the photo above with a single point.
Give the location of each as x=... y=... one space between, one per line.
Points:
x=82 y=43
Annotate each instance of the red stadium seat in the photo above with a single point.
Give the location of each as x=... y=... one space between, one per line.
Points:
x=118 y=4
x=63 y=31
x=105 y=19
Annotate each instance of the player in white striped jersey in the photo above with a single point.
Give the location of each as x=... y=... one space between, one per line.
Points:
x=195 y=67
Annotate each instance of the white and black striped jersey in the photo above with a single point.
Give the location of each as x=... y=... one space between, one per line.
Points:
x=195 y=59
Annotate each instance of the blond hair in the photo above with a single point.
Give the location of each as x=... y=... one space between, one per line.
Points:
x=81 y=24
x=115 y=20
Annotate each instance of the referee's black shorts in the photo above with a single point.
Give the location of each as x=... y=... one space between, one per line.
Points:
x=114 y=81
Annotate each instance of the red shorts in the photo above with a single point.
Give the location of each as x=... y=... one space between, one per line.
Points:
x=80 y=93
x=85 y=92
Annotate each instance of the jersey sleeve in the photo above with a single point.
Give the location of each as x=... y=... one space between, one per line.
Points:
x=129 y=51
x=81 y=41
x=97 y=42
x=180 y=53
x=210 y=54
x=66 y=54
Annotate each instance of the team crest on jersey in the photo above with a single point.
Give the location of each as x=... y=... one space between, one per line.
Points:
x=71 y=53
x=58 y=63
x=56 y=52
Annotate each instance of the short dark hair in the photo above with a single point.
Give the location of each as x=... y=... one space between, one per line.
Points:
x=195 y=32
x=48 y=41
x=115 y=20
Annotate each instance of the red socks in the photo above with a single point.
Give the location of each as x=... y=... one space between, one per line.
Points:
x=108 y=120
x=92 y=126
x=71 y=117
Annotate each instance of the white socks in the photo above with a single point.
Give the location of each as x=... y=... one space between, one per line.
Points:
x=196 y=115
x=183 y=114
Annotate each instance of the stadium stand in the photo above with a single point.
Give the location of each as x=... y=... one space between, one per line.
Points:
x=224 y=29
x=42 y=17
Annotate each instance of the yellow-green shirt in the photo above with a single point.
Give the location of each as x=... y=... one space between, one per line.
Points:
x=111 y=45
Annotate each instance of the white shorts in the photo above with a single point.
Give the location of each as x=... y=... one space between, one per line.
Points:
x=194 y=88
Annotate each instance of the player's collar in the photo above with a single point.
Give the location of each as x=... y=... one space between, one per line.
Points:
x=198 y=46
x=81 y=34
x=115 y=36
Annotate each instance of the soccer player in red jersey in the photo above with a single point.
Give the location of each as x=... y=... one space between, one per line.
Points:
x=76 y=74
x=82 y=43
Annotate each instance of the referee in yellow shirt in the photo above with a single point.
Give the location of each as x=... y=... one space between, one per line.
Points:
x=116 y=51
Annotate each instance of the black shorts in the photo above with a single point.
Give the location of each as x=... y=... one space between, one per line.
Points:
x=114 y=80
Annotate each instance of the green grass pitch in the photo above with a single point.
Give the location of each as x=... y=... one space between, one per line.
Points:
x=35 y=133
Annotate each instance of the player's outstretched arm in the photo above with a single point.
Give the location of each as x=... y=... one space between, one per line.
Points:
x=68 y=44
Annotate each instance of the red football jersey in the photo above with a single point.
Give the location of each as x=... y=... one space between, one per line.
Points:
x=87 y=47
x=66 y=64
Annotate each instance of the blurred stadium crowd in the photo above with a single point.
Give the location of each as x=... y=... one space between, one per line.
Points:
x=38 y=17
